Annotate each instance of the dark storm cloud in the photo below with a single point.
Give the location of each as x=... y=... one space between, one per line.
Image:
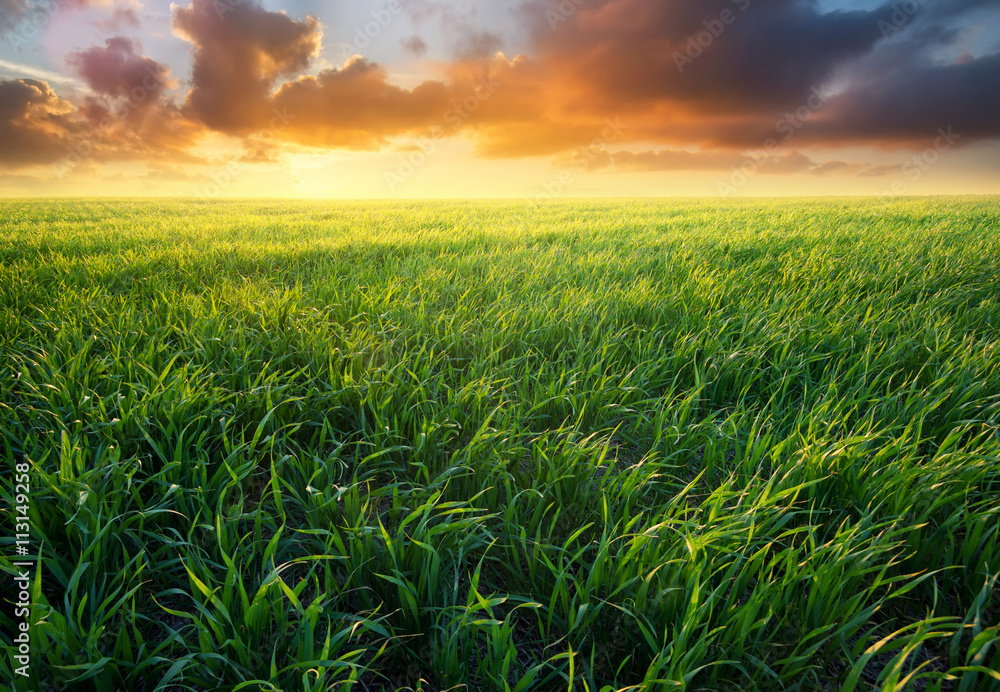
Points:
x=913 y=104
x=760 y=54
x=726 y=73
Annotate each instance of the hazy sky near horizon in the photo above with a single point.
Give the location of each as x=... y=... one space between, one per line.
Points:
x=524 y=98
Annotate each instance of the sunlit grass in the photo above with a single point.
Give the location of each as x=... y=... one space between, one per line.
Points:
x=578 y=446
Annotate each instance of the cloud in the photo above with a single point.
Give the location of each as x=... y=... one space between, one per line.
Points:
x=356 y=107
x=131 y=112
x=121 y=18
x=240 y=50
x=260 y=149
x=36 y=125
x=717 y=161
x=909 y=106
x=240 y=56
x=415 y=45
x=768 y=55
x=835 y=167
x=126 y=114
x=118 y=68
x=722 y=74
x=663 y=160
x=680 y=160
x=11 y=12
x=157 y=173
x=697 y=85
x=122 y=109
x=460 y=24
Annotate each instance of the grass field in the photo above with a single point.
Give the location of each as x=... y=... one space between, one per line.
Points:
x=702 y=445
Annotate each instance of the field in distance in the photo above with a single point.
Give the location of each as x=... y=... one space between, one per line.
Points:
x=702 y=445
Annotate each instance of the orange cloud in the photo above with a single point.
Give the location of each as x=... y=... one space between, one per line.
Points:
x=36 y=125
x=734 y=74
x=721 y=76
x=357 y=107
x=240 y=54
x=240 y=50
x=130 y=113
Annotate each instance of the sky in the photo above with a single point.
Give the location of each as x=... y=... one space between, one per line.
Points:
x=539 y=99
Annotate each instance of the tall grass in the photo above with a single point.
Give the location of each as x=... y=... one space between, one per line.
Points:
x=579 y=446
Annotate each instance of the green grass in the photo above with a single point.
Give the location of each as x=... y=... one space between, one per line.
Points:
x=742 y=445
